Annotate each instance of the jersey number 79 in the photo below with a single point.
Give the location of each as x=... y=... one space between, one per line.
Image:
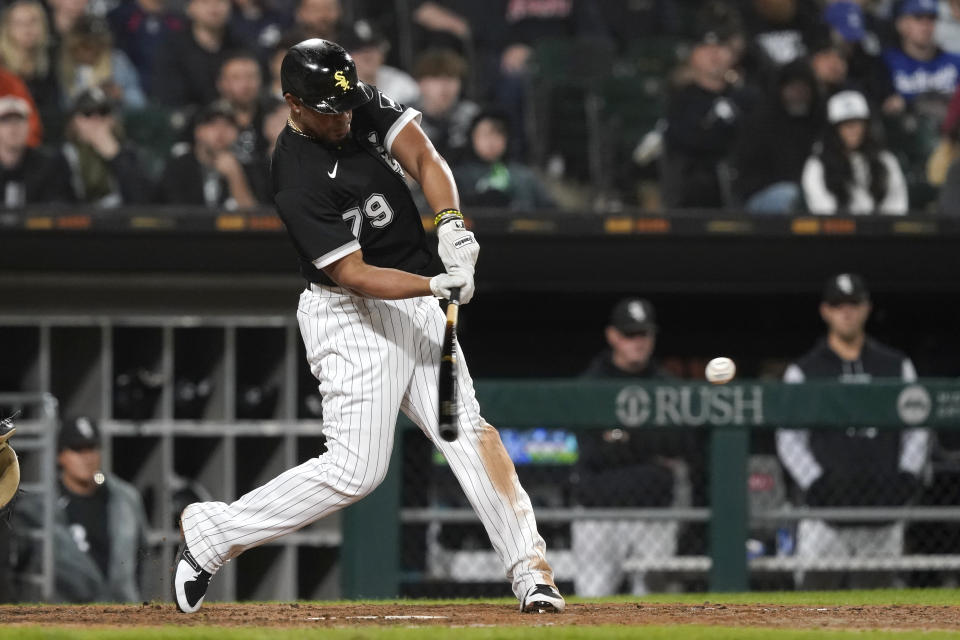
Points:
x=375 y=208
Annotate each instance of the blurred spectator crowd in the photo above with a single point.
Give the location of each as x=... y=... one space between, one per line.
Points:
x=769 y=106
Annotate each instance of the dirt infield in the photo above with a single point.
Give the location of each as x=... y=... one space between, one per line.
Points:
x=467 y=615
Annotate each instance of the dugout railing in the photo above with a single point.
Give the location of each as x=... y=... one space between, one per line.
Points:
x=190 y=408
x=728 y=414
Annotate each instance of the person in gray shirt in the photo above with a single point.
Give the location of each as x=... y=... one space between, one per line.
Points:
x=99 y=525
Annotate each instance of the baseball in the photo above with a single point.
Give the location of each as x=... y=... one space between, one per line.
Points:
x=720 y=370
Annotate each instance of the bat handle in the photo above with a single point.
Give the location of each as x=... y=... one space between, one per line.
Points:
x=453 y=309
x=447 y=386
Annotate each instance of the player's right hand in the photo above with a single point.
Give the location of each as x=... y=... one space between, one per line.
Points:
x=441 y=284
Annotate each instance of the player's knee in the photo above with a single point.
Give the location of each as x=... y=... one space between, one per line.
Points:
x=358 y=486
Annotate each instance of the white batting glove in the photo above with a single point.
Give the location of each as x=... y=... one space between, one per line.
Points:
x=441 y=284
x=457 y=246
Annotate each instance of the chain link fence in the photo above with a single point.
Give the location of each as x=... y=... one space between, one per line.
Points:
x=627 y=509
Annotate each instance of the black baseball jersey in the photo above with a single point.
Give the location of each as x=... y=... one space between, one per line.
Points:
x=876 y=361
x=860 y=465
x=337 y=198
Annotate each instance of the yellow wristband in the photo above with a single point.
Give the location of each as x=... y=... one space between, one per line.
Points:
x=453 y=213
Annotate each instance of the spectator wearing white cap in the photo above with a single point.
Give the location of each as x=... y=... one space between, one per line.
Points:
x=849 y=172
x=28 y=175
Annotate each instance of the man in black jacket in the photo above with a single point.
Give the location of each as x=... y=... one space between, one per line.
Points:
x=858 y=467
x=188 y=62
x=208 y=172
x=626 y=468
x=703 y=117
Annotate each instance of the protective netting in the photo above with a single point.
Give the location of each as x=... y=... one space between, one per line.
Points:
x=627 y=510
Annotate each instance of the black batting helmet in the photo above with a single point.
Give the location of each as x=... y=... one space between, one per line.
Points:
x=323 y=75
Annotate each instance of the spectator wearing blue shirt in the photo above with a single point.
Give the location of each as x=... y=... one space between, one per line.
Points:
x=919 y=66
x=88 y=59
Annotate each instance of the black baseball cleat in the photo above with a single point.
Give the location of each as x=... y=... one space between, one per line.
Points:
x=190 y=582
x=542 y=598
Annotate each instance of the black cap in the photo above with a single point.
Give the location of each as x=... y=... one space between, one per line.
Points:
x=362 y=35
x=633 y=315
x=822 y=38
x=323 y=75
x=78 y=433
x=91 y=100
x=214 y=110
x=845 y=287
x=716 y=23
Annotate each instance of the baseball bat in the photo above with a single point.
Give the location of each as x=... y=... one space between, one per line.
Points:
x=447 y=387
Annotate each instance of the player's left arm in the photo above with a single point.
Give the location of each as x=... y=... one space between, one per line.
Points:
x=456 y=245
x=418 y=157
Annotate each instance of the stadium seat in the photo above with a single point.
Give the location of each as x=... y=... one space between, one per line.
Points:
x=912 y=139
x=632 y=103
x=152 y=130
x=566 y=78
x=651 y=56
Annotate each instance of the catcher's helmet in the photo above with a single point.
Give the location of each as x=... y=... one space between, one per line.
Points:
x=323 y=75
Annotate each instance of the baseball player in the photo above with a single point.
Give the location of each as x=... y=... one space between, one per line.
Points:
x=371 y=326
x=860 y=466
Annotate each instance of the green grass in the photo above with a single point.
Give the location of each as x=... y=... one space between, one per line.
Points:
x=930 y=597
x=499 y=633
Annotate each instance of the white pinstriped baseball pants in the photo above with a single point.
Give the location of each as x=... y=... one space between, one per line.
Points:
x=374 y=358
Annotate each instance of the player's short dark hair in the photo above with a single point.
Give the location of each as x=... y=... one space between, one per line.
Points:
x=445 y=63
